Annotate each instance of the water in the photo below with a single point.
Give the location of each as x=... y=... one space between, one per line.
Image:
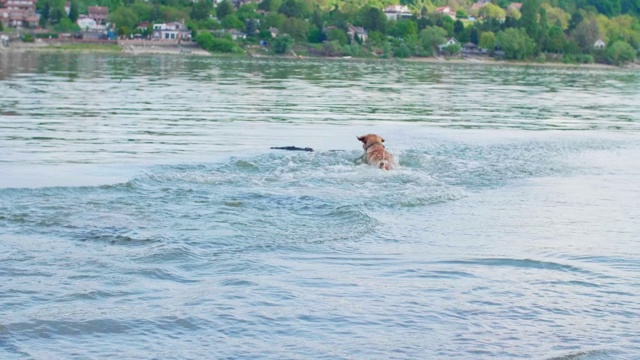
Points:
x=143 y=215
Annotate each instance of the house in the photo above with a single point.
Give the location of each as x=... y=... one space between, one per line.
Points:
x=470 y=49
x=235 y=34
x=479 y=5
x=599 y=44
x=397 y=12
x=86 y=23
x=171 y=31
x=98 y=13
x=446 y=10
x=354 y=31
x=143 y=25
x=515 y=6
x=19 y=13
x=449 y=42
x=274 y=32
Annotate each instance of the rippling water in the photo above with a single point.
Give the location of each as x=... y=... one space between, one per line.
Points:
x=143 y=215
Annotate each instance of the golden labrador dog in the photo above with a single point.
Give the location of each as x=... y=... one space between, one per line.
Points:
x=375 y=153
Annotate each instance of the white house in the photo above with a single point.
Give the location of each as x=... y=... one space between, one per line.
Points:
x=171 y=31
x=451 y=41
x=397 y=12
x=86 y=23
x=236 y=34
x=599 y=44
x=358 y=31
x=446 y=10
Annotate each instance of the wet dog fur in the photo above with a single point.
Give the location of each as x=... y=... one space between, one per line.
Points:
x=375 y=153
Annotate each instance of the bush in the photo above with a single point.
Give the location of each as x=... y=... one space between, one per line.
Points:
x=402 y=51
x=282 y=44
x=620 y=53
x=210 y=43
x=28 y=38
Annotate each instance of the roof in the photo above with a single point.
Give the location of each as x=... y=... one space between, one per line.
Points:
x=98 y=10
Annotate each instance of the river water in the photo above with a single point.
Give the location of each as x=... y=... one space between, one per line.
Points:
x=143 y=215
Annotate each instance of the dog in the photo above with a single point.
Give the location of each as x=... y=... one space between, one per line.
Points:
x=375 y=153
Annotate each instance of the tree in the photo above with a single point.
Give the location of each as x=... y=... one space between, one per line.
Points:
x=251 y=26
x=402 y=51
x=201 y=10
x=555 y=40
x=247 y=11
x=586 y=33
x=372 y=19
x=293 y=8
x=458 y=27
x=431 y=37
x=74 y=12
x=223 y=9
x=65 y=25
x=487 y=40
x=452 y=49
x=232 y=22
x=516 y=43
x=529 y=19
x=282 y=44
x=404 y=28
x=620 y=53
x=338 y=35
x=124 y=16
x=492 y=11
x=270 y=5
x=296 y=28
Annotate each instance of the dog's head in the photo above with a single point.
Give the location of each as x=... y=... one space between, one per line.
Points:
x=369 y=139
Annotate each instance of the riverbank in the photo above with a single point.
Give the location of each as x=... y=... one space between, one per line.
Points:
x=146 y=47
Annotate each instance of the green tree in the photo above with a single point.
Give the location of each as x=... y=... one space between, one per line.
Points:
x=296 y=28
x=487 y=40
x=224 y=8
x=404 y=28
x=372 y=19
x=529 y=18
x=492 y=11
x=586 y=33
x=516 y=43
x=232 y=22
x=74 y=12
x=201 y=10
x=247 y=11
x=620 y=53
x=293 y=8
x=282 y=44
x=402 y=51
x=431 y=37
x=338 y=35
x=124 y=16
x=65 y=25
x=458 y=27
x=270 y=5
x=556 y=40
x=452 y=49
x=251 y=27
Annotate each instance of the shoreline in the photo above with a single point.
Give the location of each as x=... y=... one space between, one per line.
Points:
x=141 y=48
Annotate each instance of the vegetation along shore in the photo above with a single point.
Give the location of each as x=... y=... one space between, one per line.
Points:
x=541 y=31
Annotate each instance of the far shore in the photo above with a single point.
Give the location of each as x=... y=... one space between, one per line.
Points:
x=147 y=47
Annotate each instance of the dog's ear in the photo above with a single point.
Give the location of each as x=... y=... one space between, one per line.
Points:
x=362 y=138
